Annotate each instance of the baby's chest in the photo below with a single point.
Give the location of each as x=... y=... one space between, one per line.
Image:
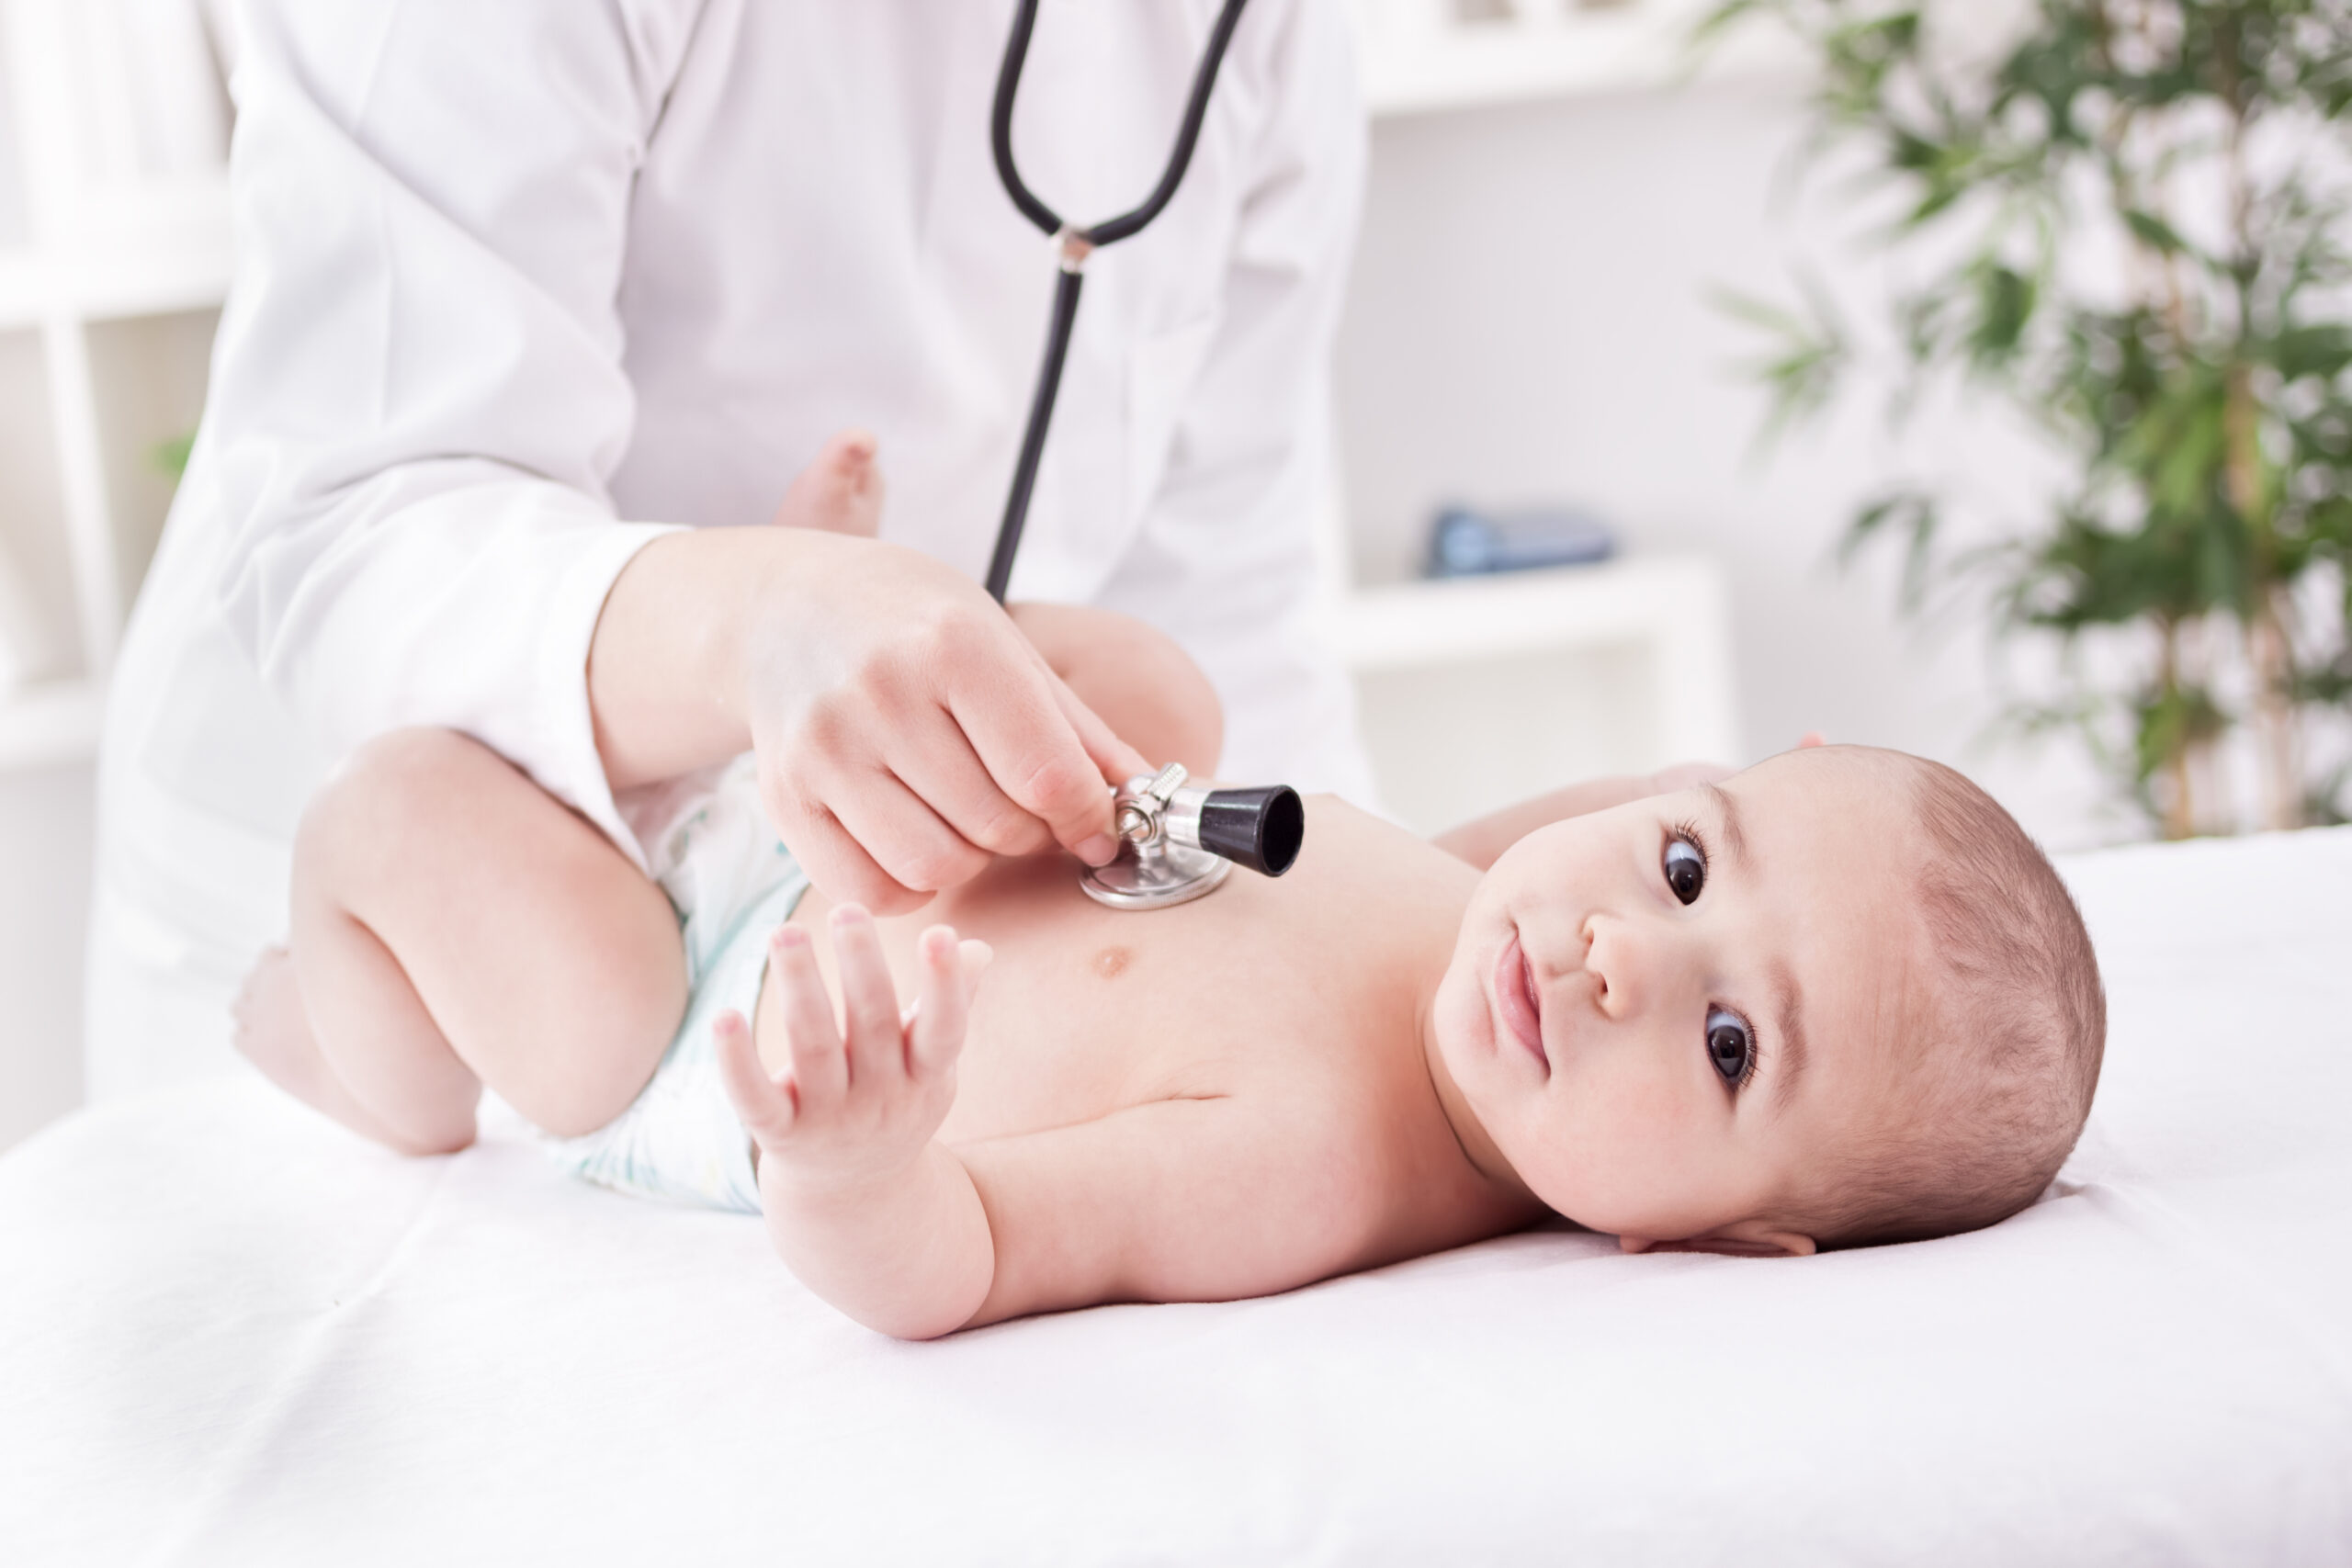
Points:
x=1084 y=1011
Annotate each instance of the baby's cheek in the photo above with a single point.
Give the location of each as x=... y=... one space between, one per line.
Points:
x=1635 y=1153
x=1453 y=1016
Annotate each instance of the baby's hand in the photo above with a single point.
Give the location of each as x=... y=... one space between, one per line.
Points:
x=846 y=1115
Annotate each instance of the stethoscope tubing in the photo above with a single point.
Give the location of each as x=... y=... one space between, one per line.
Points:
x=1075 y=245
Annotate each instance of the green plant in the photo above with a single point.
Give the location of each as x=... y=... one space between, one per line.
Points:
x=2131 y=214
x=170 y=457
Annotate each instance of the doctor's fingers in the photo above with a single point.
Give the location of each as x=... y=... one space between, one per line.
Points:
x=906 y=837
x=835 y=862
x=1013 y=716
x=935 y=760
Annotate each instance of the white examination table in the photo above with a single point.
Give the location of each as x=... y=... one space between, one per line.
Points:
x=231 y=1334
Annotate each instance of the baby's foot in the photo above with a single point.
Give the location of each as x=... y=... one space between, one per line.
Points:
x=273 y=1033
x=841 y=493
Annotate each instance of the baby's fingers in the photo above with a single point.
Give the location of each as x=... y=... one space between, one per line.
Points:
x=868 y=1000
x=763 y=1105
x=950 y=971
x=819 y=1069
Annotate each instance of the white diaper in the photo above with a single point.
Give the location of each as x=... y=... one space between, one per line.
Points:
x=732 y=884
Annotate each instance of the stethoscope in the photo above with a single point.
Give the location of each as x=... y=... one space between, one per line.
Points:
x=1176 y=842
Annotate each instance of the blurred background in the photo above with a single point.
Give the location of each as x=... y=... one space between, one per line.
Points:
x=1545 y=345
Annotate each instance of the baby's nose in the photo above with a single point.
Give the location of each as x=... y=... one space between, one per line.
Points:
x=1605 y=968
x=1625 y=965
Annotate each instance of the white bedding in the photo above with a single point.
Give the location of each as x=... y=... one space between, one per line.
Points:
x=231 y=1334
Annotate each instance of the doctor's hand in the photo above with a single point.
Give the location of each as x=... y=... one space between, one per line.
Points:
x=907 y=732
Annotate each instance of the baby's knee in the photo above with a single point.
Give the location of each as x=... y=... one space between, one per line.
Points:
x=1136 y=677
x=390 y=795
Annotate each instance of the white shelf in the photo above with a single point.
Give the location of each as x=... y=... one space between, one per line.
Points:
x=151 y=259
x=24 y=288
x=1474 y=691
x=1453 y=620
x=50 y=724
x=1420 y=56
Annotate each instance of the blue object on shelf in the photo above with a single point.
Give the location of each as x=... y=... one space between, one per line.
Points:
x=1466 y=543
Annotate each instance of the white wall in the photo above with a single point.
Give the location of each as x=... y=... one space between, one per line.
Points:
x=45 y=821
x=1530 y=320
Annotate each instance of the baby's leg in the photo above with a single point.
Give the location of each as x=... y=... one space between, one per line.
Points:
x=1145 y=687
x=453 y=925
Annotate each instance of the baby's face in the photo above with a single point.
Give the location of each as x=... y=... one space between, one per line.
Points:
x=1663 y=1014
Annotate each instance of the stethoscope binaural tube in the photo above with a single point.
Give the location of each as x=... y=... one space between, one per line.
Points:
x=1072 y=247
x=1176 y=843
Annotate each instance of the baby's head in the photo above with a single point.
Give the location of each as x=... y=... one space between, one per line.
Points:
x=1840 y=999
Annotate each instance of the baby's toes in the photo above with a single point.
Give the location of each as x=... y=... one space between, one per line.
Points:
x=271 y=1024
x=840 y=493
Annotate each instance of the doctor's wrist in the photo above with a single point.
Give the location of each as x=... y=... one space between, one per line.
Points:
x=667 y=673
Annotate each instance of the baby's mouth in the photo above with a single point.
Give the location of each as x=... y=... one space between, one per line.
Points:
x=1515 y=1000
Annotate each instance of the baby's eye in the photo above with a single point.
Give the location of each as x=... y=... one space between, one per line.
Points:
x=1728 y=1047
x=1686 y=869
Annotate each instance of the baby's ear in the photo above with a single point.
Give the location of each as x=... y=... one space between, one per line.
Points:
x=1746 y=1239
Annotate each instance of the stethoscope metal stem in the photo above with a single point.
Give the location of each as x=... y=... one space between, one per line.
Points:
x=1033 y=440
x=1073 y=246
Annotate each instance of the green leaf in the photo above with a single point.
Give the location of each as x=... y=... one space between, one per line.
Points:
x=2005 y=305
x=1913 y=515
x=1805 y=355
x=170 y=457
x=2152 y=231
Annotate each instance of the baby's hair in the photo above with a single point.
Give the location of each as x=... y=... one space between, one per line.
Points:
x=1996 y=1078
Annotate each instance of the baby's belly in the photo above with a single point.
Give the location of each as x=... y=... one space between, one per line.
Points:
x=1085 y=1010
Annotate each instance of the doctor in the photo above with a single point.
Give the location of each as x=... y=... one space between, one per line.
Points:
x=536 y=303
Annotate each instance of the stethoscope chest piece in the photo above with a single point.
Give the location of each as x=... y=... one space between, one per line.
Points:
x=1155 y=880
x=1177 y=844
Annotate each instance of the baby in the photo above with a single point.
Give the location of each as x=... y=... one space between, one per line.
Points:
x=1839 y=998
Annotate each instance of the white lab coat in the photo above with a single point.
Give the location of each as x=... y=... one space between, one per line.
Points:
x=523 y=284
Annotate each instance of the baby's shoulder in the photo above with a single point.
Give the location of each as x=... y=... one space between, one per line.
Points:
x=1346 y=844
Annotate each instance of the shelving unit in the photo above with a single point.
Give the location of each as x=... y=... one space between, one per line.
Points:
x=1472 y=693
x=114 y=259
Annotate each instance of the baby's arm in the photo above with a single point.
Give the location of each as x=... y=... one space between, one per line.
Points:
x=1483 y=842
x=1134 y=676
x=1162 y=1201
x=862 y=1200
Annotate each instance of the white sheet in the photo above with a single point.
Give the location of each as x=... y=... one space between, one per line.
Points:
x=231 y=1334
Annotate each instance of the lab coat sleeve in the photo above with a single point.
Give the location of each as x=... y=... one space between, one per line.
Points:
x=1225 y=558
x=419 y=395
